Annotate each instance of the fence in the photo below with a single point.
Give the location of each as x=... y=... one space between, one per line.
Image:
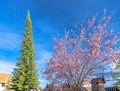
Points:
x=111 y=86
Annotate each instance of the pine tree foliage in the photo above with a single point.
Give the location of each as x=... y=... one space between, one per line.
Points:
x=116 y=74
x=24 y=75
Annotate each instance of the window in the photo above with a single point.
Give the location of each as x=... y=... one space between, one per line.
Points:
x=3 y=84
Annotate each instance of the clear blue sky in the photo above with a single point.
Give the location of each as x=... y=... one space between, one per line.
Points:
x=49 y=17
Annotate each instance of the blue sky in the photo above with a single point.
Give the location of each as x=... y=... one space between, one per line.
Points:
x=49 y=18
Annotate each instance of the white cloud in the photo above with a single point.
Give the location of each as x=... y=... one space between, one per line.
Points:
x=9 y=40
x=43 y=82
x=6 y=67
x=41 y=60
x=41 y=65
x=42 y=56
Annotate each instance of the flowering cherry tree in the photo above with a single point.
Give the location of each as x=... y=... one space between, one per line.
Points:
x=76 y=56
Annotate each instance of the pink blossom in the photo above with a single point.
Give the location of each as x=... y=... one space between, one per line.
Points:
x=75 y=58
x=90 y=23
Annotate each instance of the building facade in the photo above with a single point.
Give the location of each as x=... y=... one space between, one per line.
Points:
x=4 y=79
x=98 y=84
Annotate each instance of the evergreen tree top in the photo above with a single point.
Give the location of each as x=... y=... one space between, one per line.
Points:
x=28 y=19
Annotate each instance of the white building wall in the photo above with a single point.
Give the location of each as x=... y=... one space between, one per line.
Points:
x=86 y=84
x=2 y=88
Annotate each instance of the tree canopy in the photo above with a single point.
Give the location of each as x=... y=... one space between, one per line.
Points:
x=78 y=55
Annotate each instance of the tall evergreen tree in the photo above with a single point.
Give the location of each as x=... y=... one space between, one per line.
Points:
x=24 y=75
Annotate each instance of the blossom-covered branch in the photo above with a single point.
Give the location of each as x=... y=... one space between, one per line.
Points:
x=76 y=57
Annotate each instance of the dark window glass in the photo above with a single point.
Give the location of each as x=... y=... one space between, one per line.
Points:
x=3 y=84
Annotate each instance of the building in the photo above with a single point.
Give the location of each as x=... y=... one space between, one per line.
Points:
x=98 y=84
x=4 y=78
x=86 y=85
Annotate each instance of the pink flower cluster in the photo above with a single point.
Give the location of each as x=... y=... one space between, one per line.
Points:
x=75 y=58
